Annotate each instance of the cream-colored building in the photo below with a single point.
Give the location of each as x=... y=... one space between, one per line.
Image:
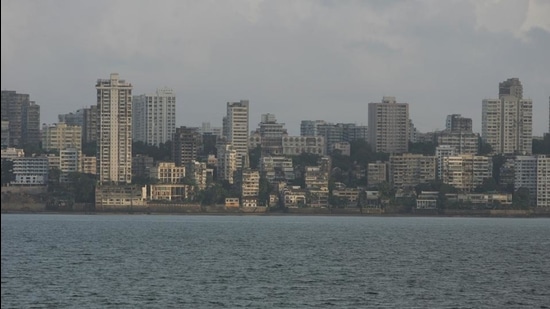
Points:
x=507 y=122
x=89 y=165
x=388 y=126
x=250 y=183
x=114 y=100
x=236 y=129
x=466 y=172
x=60 y=136
x=409 y=170
x=227 y=162
x=167 y=172
x=198 y=171
x=69 y=162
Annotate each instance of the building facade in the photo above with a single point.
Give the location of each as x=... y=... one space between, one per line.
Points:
x=388 y=126
x=236 y=129
x=114 y=101
x=507 y=122
x=154 y=117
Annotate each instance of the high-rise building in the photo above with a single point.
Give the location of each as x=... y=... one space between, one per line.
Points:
x=389 y=126
x=114 y=101
x=23 y=118
x=507 y=122
x=89 y=124
x=154 y=117
x=236 y=129
x=458 y=134
x=466 y=172
x=186 y=145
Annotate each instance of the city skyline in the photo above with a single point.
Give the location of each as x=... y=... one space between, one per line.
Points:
x=297 y=60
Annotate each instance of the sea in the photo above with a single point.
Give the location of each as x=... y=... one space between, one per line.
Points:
x=252 y=261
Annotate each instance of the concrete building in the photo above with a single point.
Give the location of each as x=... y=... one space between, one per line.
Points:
x=69 y=162
x=507 y=122
x=72 y=119
x=12 y=153
x=236 y=129
x=114 y=100
x=167 y=172
x=310 y=127
x=23 y=117
x=90 y=124
x=410 y=170
x=154 y=117
x=250 y=183
x=141 y=164
x=271 y=135
x=198 y=172
x=389 y=126
x=458 y=134
x=377 y=172
x=543 y=181
x=525 y=174
x=31 y=171
x=277 y=169
x=466 y=172
x=186 y=145
x=5 y=134
x=296 y=145
x=88 y=165
x=441 y=152
x=227 y=162
x=61 y=136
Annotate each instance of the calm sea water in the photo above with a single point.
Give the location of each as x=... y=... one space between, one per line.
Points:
x=154 y=261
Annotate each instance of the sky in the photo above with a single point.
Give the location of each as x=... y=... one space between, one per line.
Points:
x=297 y=59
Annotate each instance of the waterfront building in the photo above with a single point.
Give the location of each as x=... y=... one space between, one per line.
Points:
x=466 y=172
x=31 y=171
x=409 y=170
x=186 y=145
x=377 y=172
x=23 y=118
x=61 y=136
x=167 y=172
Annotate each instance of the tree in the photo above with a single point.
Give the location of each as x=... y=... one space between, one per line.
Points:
x=484 y=148
x=82 y=186
x=7 y=172
x=424 y=148
x=254 y=156
x=542 y=146
x=521 y=198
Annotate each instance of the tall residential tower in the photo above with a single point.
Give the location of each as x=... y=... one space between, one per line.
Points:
x=154 y=117
x=389 y=126
x=114 y=101
x=507 y=122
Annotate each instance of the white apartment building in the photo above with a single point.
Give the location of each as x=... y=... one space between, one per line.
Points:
x=31 y=170
x=69 y=162
x=60 y=136
x=389 y=126
x=114 y=100
x=236 y=129
x=466 y=172
x=154 y=117
x=198 y=171
x=525 y=174
x=507 y=122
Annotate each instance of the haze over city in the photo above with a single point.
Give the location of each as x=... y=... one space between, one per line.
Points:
x=296 y=59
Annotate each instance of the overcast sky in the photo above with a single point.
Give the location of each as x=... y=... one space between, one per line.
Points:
x=296 y=59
